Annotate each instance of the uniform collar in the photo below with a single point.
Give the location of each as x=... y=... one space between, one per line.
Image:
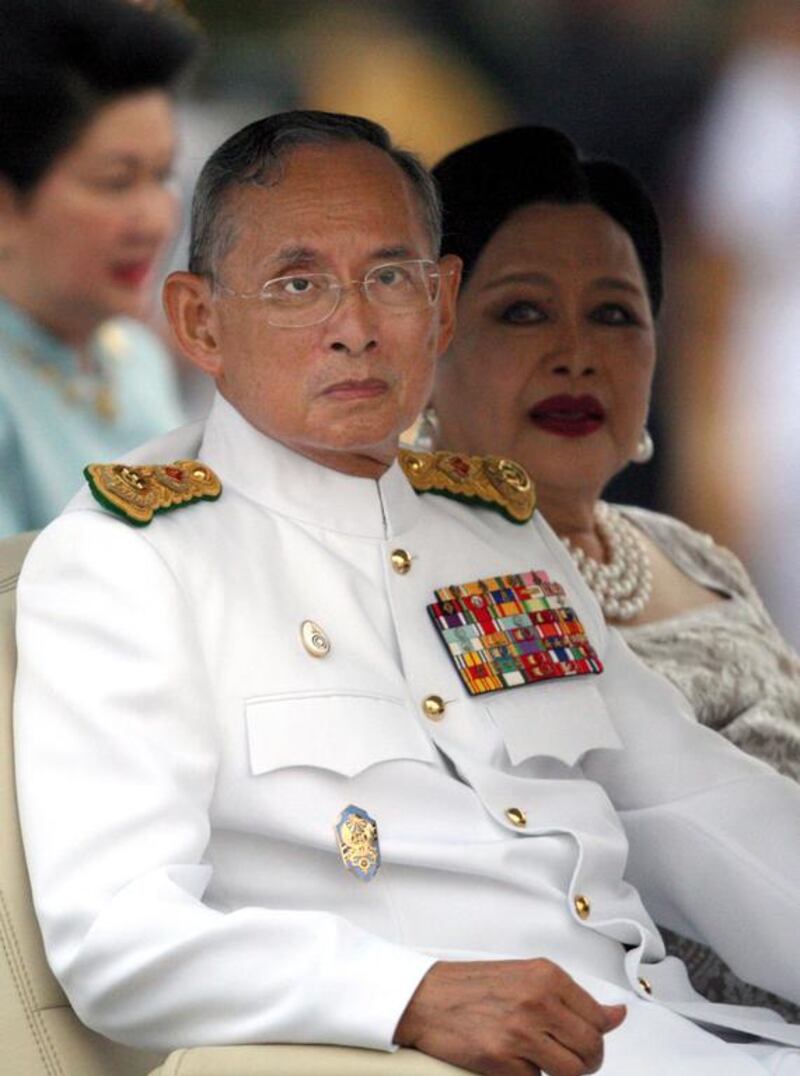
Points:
x=289 y=484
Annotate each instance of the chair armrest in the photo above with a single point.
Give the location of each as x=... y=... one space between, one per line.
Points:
x=300 y=1061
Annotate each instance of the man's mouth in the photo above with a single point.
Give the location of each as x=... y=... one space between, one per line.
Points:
x=568 y=416
x=355 y=389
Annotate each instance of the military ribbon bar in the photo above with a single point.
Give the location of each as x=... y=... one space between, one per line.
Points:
x=512 y=630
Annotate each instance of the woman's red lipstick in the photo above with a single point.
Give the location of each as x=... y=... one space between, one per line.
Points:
x=569 y=416
x=131 y=274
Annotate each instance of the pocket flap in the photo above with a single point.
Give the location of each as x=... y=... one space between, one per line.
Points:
x=562 y=720
x=343 y=733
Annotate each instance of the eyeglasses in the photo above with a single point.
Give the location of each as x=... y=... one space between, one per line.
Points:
x=303 y=299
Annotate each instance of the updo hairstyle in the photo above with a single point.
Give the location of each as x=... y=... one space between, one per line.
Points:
x=63 y=60
x=482 y=184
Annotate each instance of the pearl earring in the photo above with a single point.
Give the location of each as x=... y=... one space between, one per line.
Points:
x=426 y=436
x=644 y=447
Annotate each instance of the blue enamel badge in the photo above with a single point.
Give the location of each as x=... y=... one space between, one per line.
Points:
x=357 y=838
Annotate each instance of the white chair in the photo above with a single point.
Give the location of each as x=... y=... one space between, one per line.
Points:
x=39 y=1033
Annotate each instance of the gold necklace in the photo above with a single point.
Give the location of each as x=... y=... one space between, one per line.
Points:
x=81 y=389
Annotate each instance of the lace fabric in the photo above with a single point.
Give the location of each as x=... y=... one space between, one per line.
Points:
x=742 y=680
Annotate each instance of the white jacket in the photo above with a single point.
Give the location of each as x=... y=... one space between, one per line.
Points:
x=183 y=760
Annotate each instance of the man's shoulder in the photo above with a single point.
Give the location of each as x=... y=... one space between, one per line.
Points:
x=181 y=444
x=102 y=531
x=486 y=481
x=136 y=493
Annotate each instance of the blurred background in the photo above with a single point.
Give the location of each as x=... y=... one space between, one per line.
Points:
x=701 y=98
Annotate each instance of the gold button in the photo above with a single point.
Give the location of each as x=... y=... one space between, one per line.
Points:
x=582 y=906
x=516 y=476
x=314 y=639
x=433 y=707
x=516 y=816
x=646 y=986
x=401 y=561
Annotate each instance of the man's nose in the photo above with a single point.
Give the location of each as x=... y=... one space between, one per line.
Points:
x=352 y=328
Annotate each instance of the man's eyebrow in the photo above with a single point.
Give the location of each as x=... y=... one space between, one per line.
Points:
x=293 y=256
x=302 y=256
x=399 y=251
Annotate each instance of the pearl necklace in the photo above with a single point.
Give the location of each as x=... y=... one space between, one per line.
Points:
x=624 y=584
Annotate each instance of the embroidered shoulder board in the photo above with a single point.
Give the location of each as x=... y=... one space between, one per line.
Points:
x=137 y=493
x=489 y=480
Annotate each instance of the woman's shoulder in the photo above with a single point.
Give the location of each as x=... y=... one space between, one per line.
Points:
x=694 y=552
x=8 y=428
x=143 y=377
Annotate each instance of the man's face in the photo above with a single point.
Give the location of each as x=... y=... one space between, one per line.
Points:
x=343 y=390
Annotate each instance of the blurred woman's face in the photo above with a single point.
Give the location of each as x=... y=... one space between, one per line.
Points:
x=554 y=350
x=84 y=244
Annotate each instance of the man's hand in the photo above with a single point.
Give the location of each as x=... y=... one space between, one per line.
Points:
x=508 y=1018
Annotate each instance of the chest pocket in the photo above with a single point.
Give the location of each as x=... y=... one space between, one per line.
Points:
x=562 y=719
x=343 y=733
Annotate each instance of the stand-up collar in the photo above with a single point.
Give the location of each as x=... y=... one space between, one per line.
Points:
x=273 y=475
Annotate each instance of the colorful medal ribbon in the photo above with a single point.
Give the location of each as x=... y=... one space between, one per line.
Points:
x=512 y=630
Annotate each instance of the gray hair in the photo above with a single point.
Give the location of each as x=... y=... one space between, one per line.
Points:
x=253 y=156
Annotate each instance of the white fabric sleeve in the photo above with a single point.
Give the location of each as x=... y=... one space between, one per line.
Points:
x=116 y=762
x=714 y=833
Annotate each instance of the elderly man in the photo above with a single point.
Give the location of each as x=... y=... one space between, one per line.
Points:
x=333 y=758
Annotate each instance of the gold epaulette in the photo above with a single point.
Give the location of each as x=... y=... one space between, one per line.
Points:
x=136 y=493
x=498 y=483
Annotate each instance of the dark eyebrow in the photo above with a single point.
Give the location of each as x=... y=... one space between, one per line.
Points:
x=518 y=278
x=128 y=160
x=308 y=254
x=305 y=257
x=112 y=160
x=617 y=283
x=390 y=253
x=293 y=256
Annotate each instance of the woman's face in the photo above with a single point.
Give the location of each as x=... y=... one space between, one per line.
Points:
x=554 y=350
x=84 y=244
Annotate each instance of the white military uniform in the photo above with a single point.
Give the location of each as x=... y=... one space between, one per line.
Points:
x=183 y=760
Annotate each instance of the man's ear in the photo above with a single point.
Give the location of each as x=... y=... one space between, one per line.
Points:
x=193 y=318
x=449 y=280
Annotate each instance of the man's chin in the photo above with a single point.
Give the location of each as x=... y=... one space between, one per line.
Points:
x=351 y=446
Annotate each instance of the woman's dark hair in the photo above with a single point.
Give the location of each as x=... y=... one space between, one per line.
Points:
x=482 y=183
x=63 y=60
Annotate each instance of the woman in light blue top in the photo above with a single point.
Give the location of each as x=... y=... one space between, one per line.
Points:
x=86 y=210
